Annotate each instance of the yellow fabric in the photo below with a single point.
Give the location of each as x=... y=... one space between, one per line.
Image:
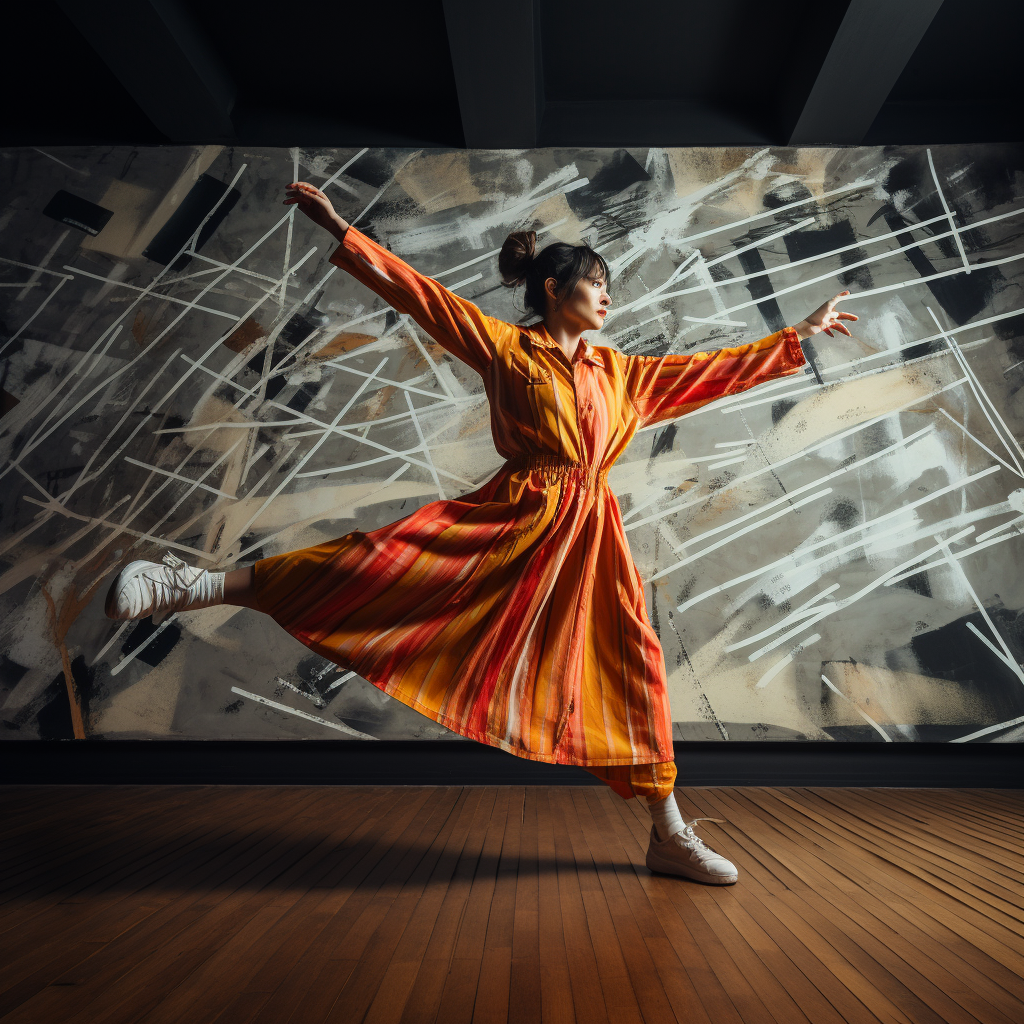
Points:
x=650 y=781
x=514 y=615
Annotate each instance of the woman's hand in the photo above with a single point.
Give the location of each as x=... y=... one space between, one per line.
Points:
x=825 y=318
x=316 y=206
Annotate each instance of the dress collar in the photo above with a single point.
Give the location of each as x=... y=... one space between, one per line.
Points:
x=538 y=335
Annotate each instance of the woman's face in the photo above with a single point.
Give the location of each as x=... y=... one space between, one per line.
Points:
x=586 y=306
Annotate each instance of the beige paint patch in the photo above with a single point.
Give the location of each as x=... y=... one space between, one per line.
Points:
x=553 y=210
x=694 y=169
x=644 y=481
x=901 y=698
x=844 y=405
x=147 y=706
x=198 y=161
x=319 y=504
x=439 y=181
x=205 y=623
x=734 y=698
x=211 y=410
x=131 y=206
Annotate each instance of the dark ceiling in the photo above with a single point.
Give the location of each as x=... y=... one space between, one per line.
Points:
x=514 y=73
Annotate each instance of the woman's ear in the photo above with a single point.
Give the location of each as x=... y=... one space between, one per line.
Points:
x=551 y=290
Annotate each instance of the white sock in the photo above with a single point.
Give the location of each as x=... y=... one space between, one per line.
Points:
x=667 y=819
x=208 y=590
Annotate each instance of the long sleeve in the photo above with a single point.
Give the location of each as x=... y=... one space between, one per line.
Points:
x=663 y=388
x=453 y=322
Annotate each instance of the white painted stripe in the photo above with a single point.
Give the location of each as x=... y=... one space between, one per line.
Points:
x=949 y=215
x=337 y=726
x=990 y=729
x=979 y=392
x=958 y=569
x=717 y=323
x=128 y=658
x=728 y=462
x=424 y=447
x=179 y=477
x=771 y=567
x=1016 y=532
x=787 y=660
x=746 y=529
x=792 y=458
x=845 y=602
x=999 y=529
x=153 y=294
x=874 y=725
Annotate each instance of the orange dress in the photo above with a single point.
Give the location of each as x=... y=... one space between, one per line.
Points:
x=514 y=615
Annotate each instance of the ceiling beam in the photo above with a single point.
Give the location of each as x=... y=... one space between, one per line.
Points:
x=496 y=57
x=164 y=60
x=870 y=50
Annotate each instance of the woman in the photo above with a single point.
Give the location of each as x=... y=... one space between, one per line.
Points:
x=513 y=615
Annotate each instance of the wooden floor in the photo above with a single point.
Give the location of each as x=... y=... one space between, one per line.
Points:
x=276 y=904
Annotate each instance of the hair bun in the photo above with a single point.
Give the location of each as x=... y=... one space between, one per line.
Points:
x=516 y=256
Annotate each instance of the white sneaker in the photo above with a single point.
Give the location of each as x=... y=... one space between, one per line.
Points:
x=147 y=588
x=686 y=854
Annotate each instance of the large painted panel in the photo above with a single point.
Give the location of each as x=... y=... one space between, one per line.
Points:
x=836 y=555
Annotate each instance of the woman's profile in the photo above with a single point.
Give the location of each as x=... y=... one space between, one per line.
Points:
x=513 y=615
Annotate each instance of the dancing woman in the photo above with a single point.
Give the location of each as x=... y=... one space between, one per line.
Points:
x=513 y=615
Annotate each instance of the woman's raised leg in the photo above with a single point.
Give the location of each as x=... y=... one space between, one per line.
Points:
x=240 y=588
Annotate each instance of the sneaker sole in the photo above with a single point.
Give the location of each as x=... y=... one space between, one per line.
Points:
x=681 y=871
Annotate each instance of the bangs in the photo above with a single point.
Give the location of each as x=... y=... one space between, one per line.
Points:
x=585 y=263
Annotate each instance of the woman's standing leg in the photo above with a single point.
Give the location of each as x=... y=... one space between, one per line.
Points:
x=675 y=849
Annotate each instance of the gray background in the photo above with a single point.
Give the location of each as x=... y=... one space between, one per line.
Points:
x=827 y=562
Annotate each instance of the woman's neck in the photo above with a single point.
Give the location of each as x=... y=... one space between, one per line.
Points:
x=565 y=337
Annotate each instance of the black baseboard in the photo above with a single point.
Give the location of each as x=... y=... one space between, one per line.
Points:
x=461 y=763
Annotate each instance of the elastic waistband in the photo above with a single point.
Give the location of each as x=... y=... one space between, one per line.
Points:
x=558 y=465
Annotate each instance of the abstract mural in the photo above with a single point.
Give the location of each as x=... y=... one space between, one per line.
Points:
x=836 y=555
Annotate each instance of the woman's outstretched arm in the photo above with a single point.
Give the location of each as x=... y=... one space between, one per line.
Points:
x=663 y=388
x=453 y=322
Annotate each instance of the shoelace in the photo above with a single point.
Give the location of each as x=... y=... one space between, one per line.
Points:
x=178 y=587
x=694 y=841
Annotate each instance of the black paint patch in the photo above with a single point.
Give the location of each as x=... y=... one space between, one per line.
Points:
x=77 y=212
x=783 y=195
x=10 y=673
x=918 y=584
x=780 y=408
x=303 y=396
x=844 y=513
x=204 y=195
x=618 y=174
x=373 y=168
x=962 y=297
x=821 y=240
x=54 y=719
x=953 y=652
x=663 y=440
x=298 y=328
x=761 y=286
x=157 y=649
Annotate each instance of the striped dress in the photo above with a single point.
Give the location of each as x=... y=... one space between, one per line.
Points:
x=514 y=615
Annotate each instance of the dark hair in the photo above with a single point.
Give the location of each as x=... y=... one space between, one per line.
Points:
x=518 y=263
